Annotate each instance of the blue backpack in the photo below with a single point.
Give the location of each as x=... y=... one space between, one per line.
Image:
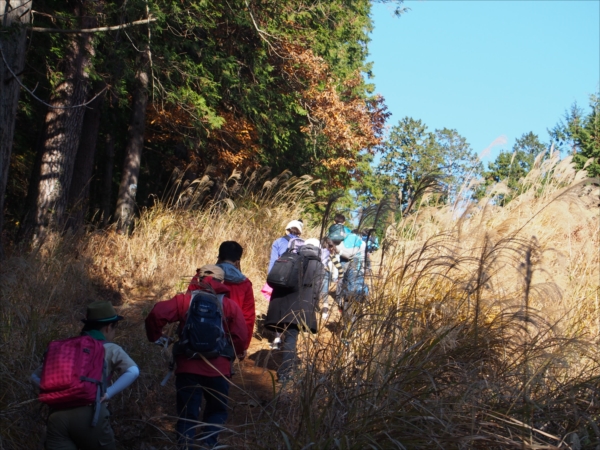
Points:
x=372 y=243
x=203 y=334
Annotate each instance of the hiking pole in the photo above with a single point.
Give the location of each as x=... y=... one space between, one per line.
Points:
x=169 y=373
x=164 y=342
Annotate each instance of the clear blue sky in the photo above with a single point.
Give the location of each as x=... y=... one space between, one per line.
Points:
x=492 y=70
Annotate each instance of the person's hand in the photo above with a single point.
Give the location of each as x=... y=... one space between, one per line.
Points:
x=163 y=341
x=243 y=355
x=103 y=399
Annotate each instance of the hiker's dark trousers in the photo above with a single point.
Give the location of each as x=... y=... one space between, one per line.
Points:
x=190 y=389
x=71 y=429
x=289 y=352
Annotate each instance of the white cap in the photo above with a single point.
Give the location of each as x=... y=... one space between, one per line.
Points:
x=312 y=241
x=294 y=224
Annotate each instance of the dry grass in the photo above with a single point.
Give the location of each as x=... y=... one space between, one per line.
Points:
x=481 y=331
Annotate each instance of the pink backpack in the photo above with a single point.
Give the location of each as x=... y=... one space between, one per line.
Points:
x=73 y=373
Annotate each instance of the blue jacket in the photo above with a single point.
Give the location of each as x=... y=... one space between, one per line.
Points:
x=278 y=248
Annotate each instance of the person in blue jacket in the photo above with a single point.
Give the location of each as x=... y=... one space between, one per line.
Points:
x=372 y=242
x=293 y=230
x=351 y=250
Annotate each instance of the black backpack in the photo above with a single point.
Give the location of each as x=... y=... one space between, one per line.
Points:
x=203 y=334
x=289 y=269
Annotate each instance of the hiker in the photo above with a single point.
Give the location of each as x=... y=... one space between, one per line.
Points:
x=240 y=287
x=196 y=374
x=372 y=244
x=85 y=427
x=333 y=271
x=340 y=219
x=293 y=230
x=351 y=249
x=292 y=309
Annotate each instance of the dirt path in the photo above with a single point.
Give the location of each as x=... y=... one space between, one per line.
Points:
x=146 y=419
x=253 y=385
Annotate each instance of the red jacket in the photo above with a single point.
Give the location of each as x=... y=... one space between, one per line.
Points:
x=175 y=310
x=242 y=293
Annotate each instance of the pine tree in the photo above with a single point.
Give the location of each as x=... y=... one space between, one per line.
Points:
x=579 y=134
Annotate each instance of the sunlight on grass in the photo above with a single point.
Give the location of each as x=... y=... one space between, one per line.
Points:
x=481 y=331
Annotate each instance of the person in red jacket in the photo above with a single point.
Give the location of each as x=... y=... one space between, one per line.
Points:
x=240 y=287
x=197 y=377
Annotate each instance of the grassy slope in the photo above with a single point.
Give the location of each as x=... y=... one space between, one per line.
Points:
x=481 y=330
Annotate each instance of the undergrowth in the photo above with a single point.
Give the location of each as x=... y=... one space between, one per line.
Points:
x=480 y=331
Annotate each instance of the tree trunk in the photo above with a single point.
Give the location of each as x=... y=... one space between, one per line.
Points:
x=107 y=178
x=79 y=191
x=62 y=131
x=125 y=210
x=15 y=13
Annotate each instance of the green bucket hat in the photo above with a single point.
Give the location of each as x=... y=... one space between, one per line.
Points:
x=101 y=312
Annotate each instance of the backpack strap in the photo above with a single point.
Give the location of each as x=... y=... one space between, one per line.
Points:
x=294 y=244
x=287 y=238
x=228 y=355
x=98 y=404
x=220 y=298
x=100 y=391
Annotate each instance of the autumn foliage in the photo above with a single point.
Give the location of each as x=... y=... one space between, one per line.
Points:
x=345 y=120
x=336 y=118
x=233 y=145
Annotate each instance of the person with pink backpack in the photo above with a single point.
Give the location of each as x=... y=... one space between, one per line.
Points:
x=73 y=382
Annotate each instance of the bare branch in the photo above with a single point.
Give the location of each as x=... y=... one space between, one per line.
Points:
x=93 y=30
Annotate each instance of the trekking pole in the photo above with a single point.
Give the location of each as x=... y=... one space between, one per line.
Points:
x=165 y=342
x=169 y=373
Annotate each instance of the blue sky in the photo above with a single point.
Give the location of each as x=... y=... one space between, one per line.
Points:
x=492 y=70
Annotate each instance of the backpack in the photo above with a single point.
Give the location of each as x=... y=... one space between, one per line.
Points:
x=74 y=374
x=287 y=270
x=372 y=242
x=352 y=246
x=203 y=334
x=337 y=233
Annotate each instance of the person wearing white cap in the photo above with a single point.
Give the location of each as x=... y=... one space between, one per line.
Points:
x=293 y=230
x=293 y=309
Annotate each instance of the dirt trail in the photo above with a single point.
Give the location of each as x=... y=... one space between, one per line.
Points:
x=146 y=420
x=253 y=384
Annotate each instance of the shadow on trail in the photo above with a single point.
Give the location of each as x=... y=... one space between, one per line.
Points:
x=267 y=359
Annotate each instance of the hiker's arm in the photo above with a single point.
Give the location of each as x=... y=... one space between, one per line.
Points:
x=36 y=377
x=237 y=328
x=125 y=380
x=274 y=256
x=162 y=314
x=277 y=250
x=338 y=266
x=249 y=311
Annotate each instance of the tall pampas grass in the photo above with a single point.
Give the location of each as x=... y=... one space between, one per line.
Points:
x=480 y=330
